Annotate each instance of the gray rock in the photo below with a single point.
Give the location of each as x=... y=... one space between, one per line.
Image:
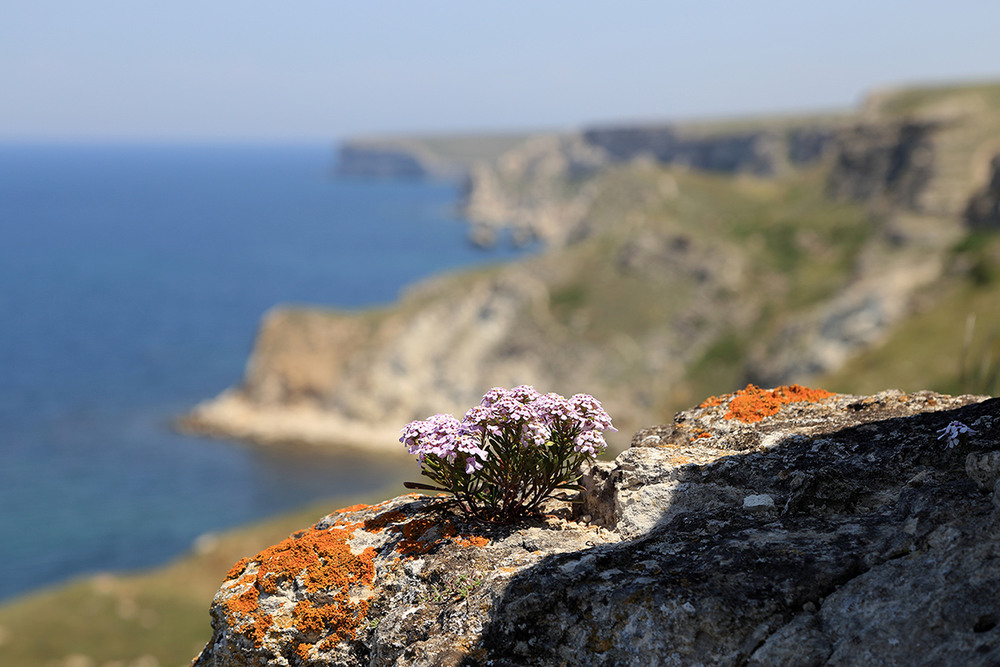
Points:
x=983 y=469
x=983 y=210
x=758 y=503
x=880 y=549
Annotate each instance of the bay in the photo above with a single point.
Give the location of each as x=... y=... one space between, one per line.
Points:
x=132 y=280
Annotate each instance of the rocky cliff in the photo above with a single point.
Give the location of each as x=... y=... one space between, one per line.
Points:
x=540 y=188
x=678 y=262
x=759 y=528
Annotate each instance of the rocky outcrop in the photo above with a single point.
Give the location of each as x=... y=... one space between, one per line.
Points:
x=759 y=151
x=540 y=189
x=887 y=162
x=760 y=528
x=532 y=190
x=983 y=210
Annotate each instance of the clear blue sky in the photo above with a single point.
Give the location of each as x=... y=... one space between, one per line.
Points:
x=326 y=69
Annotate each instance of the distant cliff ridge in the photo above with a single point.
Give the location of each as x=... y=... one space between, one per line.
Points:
x=678 y=261
x=760 y=147
x=762 y=151
x=442 y=157
x=529 y=183
x=374 y=160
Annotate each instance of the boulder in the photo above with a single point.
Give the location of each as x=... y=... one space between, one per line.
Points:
x=760 y=528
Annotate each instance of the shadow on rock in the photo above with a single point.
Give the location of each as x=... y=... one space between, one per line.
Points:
x=841 y=531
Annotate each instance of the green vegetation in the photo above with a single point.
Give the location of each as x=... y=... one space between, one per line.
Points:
x=455 y=587
x=670 y=244
x=952 y=346
x=915 y=100
x=134 y=619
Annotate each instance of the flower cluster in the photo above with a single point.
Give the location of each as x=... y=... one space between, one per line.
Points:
x=510 y=452
x=956 y=432
x=442 y=436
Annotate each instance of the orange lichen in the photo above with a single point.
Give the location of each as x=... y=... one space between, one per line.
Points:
x=323 y=561
x=241 y=565
x=713 y=401
x=352 y=508
x=753 y=404
x=703 y=434
x=378 y=523
x=413 y=530
x=243 y=603
x=796 y=393
x=471 y=541
x=418 y=537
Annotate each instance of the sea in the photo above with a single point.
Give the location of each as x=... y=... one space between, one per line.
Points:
x=132 y=282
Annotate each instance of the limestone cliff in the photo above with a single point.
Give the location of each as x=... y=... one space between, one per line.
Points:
x=759 y=528
x=678 y=262
x=540 y=188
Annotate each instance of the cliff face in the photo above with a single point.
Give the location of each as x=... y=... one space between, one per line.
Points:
x=760 y=151
x=677 y=262
x=837 y=530
x=983 y=211
x=918 y=151
x=540 y=188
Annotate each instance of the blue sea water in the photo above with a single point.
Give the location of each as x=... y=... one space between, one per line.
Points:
x=132 y=280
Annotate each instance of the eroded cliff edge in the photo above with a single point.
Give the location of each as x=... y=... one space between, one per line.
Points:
x=837 y=531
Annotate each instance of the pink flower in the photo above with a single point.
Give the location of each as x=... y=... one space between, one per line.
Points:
x=545 y=436
x=591 y=442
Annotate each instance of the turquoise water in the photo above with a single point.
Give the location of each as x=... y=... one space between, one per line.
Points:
x=132 y=280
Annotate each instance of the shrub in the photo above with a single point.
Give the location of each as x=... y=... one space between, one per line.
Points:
x=510 y=452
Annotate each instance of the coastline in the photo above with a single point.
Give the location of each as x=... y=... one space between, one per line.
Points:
x=232 y=416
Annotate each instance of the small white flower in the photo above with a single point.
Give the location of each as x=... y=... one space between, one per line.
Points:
x=954 y=432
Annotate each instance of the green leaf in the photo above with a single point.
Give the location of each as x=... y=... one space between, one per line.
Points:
x=425 y=487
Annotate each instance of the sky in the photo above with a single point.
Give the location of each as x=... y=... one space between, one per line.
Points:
x=320 y=70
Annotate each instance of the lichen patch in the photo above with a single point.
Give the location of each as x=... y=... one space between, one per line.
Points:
x=752 y=404
x=323 y=564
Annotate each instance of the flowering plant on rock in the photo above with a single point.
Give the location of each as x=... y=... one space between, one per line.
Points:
x=956 y=433
x=510 y=452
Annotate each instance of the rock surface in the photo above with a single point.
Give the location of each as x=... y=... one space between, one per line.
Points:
x=983 y=210
x=879 y=546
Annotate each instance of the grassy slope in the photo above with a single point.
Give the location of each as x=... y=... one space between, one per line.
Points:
x=796 y=245
x=952 y=345
x=161 y=614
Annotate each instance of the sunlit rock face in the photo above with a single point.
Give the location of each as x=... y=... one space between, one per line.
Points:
x=766 y=527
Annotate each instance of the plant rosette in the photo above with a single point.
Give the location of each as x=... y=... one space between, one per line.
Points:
x=509 y=453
